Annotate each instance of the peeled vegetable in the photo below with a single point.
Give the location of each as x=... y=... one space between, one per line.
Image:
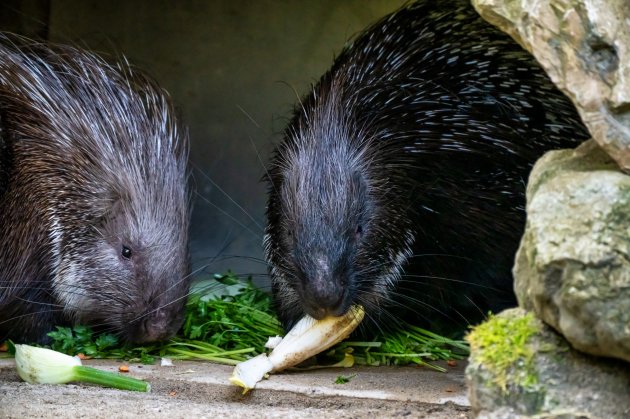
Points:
x=45 y=366
x=307 y=338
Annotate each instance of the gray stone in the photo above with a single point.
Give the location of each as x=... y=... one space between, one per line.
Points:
x=573 y=265
x=568 y=383
x=584 y=45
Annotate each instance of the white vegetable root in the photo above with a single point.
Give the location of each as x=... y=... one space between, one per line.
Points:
x=44 y=366
x=307 y=338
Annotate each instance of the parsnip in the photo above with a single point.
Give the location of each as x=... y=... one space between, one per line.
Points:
x=307 y=338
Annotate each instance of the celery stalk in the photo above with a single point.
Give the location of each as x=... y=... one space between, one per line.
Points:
x=108 y=379
x=44 y=366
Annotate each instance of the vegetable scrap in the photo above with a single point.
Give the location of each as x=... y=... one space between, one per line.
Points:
x=307 y=338
x=343 y=379
x=45 y=366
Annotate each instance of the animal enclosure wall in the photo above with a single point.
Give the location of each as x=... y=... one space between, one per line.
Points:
x=234 y=68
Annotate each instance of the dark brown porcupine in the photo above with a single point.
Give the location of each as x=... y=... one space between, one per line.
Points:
x=94 y=200
x=400 y=181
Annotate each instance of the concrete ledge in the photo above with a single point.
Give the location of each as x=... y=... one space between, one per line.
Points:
x=198 y=389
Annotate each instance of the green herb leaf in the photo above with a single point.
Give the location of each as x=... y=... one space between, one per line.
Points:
x=343 y=379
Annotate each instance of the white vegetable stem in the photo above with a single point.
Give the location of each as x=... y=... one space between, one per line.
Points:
x=45 y=366
x=307 y=338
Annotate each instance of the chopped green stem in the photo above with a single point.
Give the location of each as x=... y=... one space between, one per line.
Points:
x=426 y=364
x=109 y=379
x=406 y=355
x=217 y=352
x=201 y=343
x=216 y=359
x=362 y=344
x=435 y=338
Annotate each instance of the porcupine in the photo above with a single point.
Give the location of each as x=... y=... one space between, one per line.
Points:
x=93 y=196
x=399 y=182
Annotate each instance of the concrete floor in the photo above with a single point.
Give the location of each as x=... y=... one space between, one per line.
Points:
x=200 y=389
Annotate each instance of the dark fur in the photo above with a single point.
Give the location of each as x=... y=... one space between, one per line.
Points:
x=400 y=181
x=92 y=159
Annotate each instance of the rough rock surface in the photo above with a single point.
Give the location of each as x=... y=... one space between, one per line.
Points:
x=584 y=45
x=573 y=265
x=569 y=384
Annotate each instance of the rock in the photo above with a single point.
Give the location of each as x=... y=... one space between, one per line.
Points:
x=584 y=46
x=573 y=265
x=548 y=378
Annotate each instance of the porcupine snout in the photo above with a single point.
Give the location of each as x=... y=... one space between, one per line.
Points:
x=158 y=325
x=158 y=319
x=323 y=289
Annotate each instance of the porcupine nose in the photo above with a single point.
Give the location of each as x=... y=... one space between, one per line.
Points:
x=324 y=294
x=157 y=325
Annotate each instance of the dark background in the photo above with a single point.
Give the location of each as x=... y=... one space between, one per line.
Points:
x=234 y=68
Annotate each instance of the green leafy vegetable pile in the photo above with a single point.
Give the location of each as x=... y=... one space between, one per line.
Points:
x=232 y=324
x=82 y=340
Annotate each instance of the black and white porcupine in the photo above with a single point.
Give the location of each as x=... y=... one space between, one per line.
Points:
x=399 y=183
x=94 y=200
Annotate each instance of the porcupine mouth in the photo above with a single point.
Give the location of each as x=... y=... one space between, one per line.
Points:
x=154 y=327
x=319 y=312
x=334 y=305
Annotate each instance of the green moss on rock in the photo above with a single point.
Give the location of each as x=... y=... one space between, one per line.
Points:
x=501 y=345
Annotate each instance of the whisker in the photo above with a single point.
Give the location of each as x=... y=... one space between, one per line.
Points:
x=232 y=200
x=230 y=216
x=226 y=257
x=446 y=279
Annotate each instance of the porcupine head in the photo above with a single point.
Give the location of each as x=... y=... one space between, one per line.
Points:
x=98 y=195
x=336 y=235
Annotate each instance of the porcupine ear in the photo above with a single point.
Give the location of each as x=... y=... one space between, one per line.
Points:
x=110 y=206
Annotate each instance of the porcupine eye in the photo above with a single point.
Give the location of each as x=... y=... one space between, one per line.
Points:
x=290 y=236
x=359 y=232
x=126 y=252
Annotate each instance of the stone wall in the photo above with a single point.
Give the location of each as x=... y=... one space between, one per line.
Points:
x=572 y=270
